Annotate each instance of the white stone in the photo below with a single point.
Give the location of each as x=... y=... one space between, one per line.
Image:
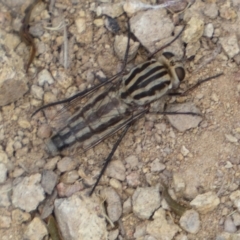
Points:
x=183 y=122
x=194 y=30
x=190 y=221
x=157 y=166
x=184 y=151
x=132 y=160
x=81 y=25
x=37 y=92
x=4 y=190
x=114 y=205
x=120 y=46
x=36 y=230
x=208 y=30
x=231 y=138
x=230 y=45
x=28 y=193
x=160 y=228
x=45 y=77
x=145 y=201
x=206 y=202
x=148 y=36
x=80 y=217
x=116 y=169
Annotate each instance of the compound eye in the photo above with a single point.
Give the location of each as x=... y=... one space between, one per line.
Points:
x=180 y=73
x=168 y=55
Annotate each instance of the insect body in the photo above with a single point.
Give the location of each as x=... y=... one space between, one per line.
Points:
x=111 y=109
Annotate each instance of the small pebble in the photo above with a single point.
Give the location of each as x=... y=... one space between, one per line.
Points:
x=3 y=172
x=190 y=221
x=229 y=225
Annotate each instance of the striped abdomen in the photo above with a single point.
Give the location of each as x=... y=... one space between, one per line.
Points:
x=100 y=116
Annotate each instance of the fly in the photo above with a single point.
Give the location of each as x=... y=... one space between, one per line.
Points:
x=114 y=106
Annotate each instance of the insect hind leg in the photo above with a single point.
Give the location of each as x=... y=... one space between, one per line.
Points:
x=108 y=159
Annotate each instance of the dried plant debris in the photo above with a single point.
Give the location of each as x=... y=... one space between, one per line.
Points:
x=176 y=207
x=53 y=229
x=25 y=35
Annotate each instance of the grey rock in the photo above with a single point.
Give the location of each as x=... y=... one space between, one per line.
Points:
x=229 y=225
x=145 y=201
x=230 y=45
x=49 y=181
x=236 y=219
x=79 y=217
x=36 y=30
x=133 y=179
x=112 y=235
x=183 y=122
x=5 y=190
x=190 y=221
x=148 y=36
x=127 y=206
x=132 y=160
x=116 y=170
x=211 y=10
x=37 y=92
x=48 y=205
x=157 y=166
x=12 y=75
x=36 y=230
x=28 y=193
x=114 y=206
x=120 y=46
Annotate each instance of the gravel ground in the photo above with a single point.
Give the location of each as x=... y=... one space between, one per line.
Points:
x=193 y=159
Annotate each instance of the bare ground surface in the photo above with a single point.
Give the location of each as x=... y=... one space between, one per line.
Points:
x=212 y=163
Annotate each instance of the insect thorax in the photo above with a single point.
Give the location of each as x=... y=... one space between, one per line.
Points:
x=148 y=82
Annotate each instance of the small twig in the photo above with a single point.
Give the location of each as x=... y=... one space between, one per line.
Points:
x=65 y=47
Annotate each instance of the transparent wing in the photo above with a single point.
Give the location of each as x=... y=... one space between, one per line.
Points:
x=58 y=113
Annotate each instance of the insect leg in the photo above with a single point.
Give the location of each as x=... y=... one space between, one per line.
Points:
x=110 y=157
